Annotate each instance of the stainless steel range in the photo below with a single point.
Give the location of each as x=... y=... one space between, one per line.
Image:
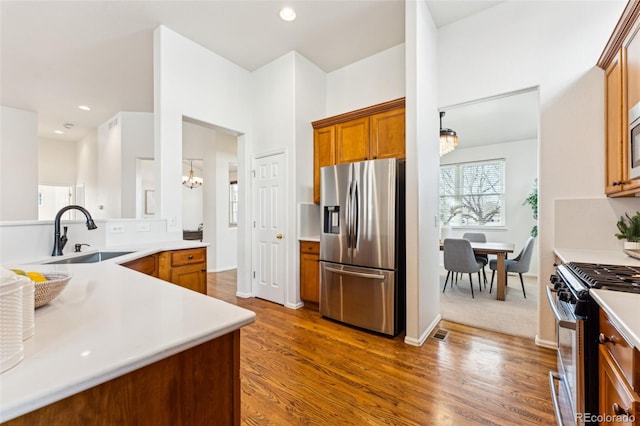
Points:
x=574 y=386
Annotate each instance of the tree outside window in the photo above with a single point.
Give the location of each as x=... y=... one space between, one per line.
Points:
x=472 y=194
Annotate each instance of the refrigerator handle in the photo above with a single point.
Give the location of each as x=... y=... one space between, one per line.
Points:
x=355 y=224
x=347 y=215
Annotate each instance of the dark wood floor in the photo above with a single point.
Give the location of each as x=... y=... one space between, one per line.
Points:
x=300 y=369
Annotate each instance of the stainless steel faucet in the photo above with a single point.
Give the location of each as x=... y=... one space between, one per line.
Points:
x=59 y=241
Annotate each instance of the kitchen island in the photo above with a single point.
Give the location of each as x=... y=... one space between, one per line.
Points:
x=121 y=347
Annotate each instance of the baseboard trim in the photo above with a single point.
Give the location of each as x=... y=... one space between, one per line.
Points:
x=546 y=343
x=425 y=335
x=243 y=295
x=223 y=269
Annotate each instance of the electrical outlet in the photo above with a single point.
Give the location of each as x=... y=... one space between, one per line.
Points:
x=116 y=228
x=143 y=227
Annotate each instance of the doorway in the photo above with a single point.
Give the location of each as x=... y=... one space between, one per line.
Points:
x=484 y=184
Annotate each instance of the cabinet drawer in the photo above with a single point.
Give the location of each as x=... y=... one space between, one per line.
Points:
x=189 y=256
x=620 y=350
x=312 y=247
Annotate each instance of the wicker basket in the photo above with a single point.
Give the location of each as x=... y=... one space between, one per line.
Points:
x=48 y=290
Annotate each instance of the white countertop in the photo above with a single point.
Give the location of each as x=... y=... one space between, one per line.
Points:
x=315 y=238
x=622 y=308
x=109 y=321
x=595 y=256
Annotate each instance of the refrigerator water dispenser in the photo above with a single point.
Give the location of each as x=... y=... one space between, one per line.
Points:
x=331 y=219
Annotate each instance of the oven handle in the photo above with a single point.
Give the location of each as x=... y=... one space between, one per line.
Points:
x=553 y=376
x=562 y=321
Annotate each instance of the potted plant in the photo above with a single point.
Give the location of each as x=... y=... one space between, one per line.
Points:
x=532 y=200
x=629 y=227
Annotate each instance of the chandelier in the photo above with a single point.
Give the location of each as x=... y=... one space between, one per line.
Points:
x=448 y=138
x=191 y=181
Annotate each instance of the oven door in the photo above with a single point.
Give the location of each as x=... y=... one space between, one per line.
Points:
x=568 y=396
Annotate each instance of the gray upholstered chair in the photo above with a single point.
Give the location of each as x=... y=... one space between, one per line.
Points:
x=479 y=237
x=459 y=257
x=519 y=264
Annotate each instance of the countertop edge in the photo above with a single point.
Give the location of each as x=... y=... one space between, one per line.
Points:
x=630 y=332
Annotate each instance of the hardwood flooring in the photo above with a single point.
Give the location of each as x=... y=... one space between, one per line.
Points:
x=298 y=368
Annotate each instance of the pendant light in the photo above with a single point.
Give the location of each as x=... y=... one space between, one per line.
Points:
x=191 y=181
x=448 y=138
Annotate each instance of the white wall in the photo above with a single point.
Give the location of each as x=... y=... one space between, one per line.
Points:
x=136 y=140
x=423 y=293
x=109 y=168
x=18 y=162
x=226 y=242
x=520 y=172
x=192 y=81
x=310 y=103
x=87 y=170
x=274 y=128
x=378 y=78
x=57 y=163
x=523 y=44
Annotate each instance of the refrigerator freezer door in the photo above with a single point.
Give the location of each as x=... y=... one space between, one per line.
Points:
x=362 y=297
x=335 y=211
x=374 y=214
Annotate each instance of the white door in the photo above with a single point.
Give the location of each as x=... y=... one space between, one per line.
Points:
x=269 y=219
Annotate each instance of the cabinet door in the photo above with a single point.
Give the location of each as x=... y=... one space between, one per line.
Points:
x=147 y=265
x=387 y=138
x=352 y=141
x=310 y=271
x=324 y=154
x=631 y=65
x=193 y=277
x=632 y=50
x=617 y=402
x=613 y=120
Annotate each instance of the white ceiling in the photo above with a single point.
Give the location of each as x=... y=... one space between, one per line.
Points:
x=56 y=55
x=505 y=118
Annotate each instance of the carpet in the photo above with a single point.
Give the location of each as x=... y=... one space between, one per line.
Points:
x=516 y=316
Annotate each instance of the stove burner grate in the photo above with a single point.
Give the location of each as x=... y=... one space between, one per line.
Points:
x=608 y=277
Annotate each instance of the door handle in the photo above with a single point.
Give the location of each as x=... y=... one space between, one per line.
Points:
x=279 y=236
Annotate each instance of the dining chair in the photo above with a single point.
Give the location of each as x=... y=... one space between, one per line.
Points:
x=519 y=264
x=479 y=237
x=459 y=257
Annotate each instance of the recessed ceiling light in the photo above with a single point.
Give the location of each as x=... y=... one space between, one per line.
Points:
x=287 y=14
x=68 y=125
x=58 y=132
x=84 y=108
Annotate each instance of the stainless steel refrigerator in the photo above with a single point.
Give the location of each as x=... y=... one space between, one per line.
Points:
x=362 y=244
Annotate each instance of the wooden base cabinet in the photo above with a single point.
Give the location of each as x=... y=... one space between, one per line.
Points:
x=199 y=386
x=619 y=373
x=186 y=268
x=310 y=271
x=147 y=265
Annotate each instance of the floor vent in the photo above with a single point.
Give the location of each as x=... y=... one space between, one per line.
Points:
x=441 y=334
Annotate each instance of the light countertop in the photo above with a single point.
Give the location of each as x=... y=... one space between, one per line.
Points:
x=622 y=308
x=109 y=321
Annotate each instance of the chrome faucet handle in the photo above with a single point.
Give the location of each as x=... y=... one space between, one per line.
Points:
x=78 y=247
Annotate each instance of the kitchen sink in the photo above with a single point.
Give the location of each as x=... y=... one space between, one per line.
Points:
x=92 y=257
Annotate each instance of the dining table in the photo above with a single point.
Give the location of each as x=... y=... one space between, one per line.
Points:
x=501 y=250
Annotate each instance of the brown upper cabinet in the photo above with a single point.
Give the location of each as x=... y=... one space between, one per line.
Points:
x=621 y=62
x=369 y=133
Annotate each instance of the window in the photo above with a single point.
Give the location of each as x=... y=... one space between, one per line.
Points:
x=472 y=194
x=233 y=203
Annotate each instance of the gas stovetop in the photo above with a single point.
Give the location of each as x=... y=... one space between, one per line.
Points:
x=607 y=277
